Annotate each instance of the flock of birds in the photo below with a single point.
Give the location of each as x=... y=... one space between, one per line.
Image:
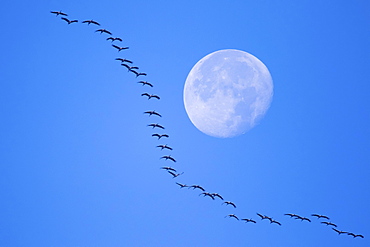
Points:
x=172 y=171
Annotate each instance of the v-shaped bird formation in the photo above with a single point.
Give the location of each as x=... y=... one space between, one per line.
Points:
x=323 y=219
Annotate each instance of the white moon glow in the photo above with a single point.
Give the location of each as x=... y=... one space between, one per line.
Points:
x=227 y=92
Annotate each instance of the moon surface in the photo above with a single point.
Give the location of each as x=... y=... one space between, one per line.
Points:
x=227 y=92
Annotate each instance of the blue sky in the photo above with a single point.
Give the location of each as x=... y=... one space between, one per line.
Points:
x=80 y=168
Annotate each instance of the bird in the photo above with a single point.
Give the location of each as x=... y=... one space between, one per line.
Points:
x=123 y=60
x=197 y=187
x=320 y=216
x=150 y=96
x=119 y=48
x=264 y=217
x=168 y=168
x=218 y=195
x=58 y=13
x=156 y=125
x=229 y=203
x=355 y=235
x=274 y=221
x=291 y=215
x=103 y=31
x=153 y=113
x=207 y=194
x=146 y=83
x=160 y=136
x=174 y=175
x=339 y=232
x=91 y=22
x=232 y=216
x=168 y=157
x=181 y=185
x=249 y=220
x=114 y=39
x=68 y=21
x=164 y=146
x=328 y=223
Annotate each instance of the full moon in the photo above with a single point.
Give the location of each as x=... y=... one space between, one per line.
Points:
x=227 y=92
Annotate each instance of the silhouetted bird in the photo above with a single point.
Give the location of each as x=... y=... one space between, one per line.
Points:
x=249 y=220
x=229 y=203
x=103 y=31
x=153 y=113
x=182 y=185
x=146 y=83
x=197 y=187
x=328 y=223
x=339 y=232
x=320 y=216
x=119 y=48
x=207 y=194
x=114 y=39
x=68 y=21
x=355 y=235
x=58 y=13
x=150 y=96
x=217 y=195
x=168 y=168
x=123 y=60
x=156 y=125
x=164 y=146
x=175 y=175
x=168 y=157
x=160 y=136
x=91 y=22
x=232 y=216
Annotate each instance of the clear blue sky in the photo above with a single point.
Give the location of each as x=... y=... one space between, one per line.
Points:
x=79 y=166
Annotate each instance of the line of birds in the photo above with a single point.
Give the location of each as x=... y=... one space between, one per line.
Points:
x=172 y=171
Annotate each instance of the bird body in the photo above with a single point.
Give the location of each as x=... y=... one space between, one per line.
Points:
x=69 y=21
x=153 y=113
x=168 y=157
x=156 y=125
x=160 y=136
x=103 y=31
x=229 y=203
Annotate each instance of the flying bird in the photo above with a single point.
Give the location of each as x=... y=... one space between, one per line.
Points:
x=156 y=125
x=232 y=216
x=153 y=113
x=207 y=194
x=91 y=22
x=339 y=232
x=249 y=220
x=123 y=60
x=329 y=223
x=274 y=221
x=114 y=39
x=103 y=31
x=160 y=136
x=68 y=21
x=150 y=96
x=119 y=48
x=181 y=185
x=175 y=175
x=197 y=187
x=168 y=168
x=355 y=235
x=146 y=83
x=164 y=146
x=217 y=195
x=168 y=157
x=58 y=13
x=320 y=216
x=229 y=203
